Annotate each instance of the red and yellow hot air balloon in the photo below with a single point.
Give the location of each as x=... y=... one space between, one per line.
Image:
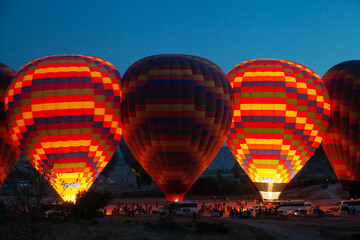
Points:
x=176 y=111
x=9 y=152
x=281 y=111
x=64 y=113
x=342 y=138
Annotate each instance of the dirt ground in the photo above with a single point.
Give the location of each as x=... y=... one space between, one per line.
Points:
x=157 y=227
x=308 y=227
x=280 y=227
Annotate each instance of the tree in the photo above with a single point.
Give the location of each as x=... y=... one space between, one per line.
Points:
x=26 y=210
x=236 y=170
x=88 y=204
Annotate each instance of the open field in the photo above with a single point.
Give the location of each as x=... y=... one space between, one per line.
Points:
x=308 y=227
x=155 y=226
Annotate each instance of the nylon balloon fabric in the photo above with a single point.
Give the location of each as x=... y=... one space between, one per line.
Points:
x=177 y=110
x=9 y=152
x=64 y=114
x=342 y=139
x=281 y=111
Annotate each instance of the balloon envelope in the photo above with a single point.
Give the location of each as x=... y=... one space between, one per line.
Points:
x=177 y=110
x=63 y=112
x=342 y=139
x=281 y=112
x=9 y=152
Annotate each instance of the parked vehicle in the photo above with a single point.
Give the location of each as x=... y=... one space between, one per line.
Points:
x=215 y=213
x=329 y=213
x=111 y=181
x=160 y=210
x=317 y=212
x=23 y=183
x=186 y=207
x=300 y=212
x=258 y=207
x=279 y=212
x=347 y=206
x=289 y=206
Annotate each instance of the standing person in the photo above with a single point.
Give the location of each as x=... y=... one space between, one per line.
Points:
x=133 y=212
x=232 y=213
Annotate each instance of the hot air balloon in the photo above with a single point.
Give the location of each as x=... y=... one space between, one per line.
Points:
x=176 y=112
x=64 y=114
x=9 y=152
x=281 y=111
x=342 y=139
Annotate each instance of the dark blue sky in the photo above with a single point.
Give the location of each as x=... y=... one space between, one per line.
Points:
x=318 y=34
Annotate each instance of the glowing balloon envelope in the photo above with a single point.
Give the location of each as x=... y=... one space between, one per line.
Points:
x=64 y=113
x=9 y=152
x=177 y=110
x=342 y=139
x=281 y=111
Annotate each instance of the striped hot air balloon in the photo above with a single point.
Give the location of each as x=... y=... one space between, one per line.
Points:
x=342 y=139
x=9 y=152
x=176 y=110
x=281 y=111
x=64 y=113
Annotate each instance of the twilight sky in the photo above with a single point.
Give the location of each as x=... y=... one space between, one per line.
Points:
x=317 y=34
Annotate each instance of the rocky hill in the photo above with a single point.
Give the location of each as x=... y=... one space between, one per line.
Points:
x=317 y=166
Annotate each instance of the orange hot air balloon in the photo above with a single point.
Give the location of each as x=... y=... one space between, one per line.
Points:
x=342 y=139
x=64 y=113
x=281 y=111
x=9 y=152
x=176 y=111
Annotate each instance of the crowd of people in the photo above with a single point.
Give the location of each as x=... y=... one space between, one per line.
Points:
x=240 y=209
x=131 y=209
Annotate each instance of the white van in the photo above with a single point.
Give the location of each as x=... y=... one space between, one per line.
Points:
x=346 y=206
x=292 y=205
x=186 y=207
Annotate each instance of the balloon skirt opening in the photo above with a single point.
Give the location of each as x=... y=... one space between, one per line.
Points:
x=270 y=191
x=175 y=197
x=270 y=195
